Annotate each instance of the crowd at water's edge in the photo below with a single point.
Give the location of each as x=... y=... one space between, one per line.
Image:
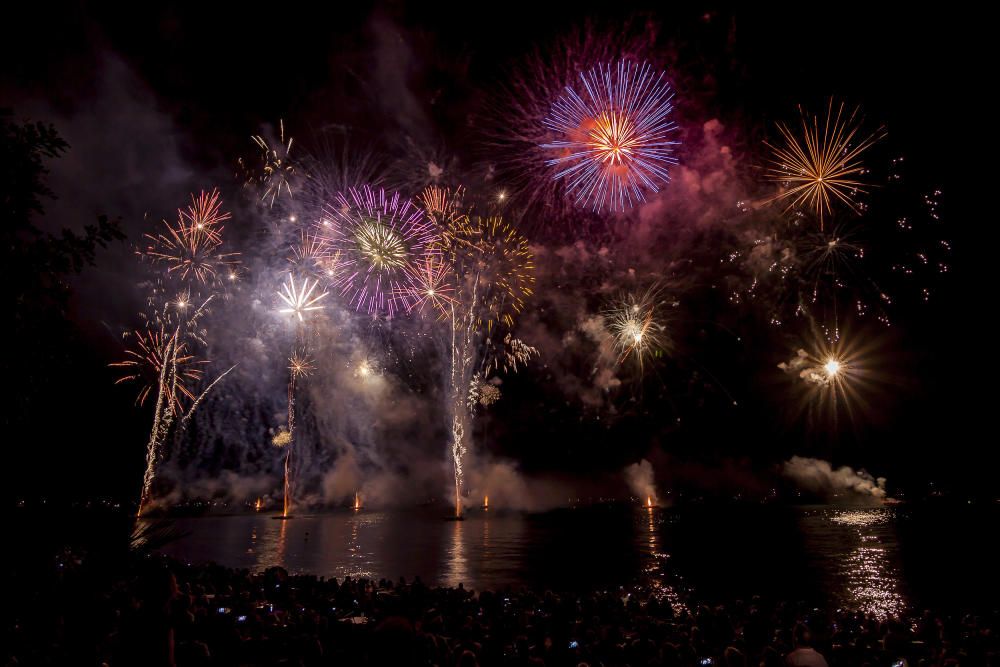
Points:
x=158 y=611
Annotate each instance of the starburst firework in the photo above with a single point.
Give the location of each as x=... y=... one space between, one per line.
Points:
x=822 y=164
x=302 y=298
x=613 y=143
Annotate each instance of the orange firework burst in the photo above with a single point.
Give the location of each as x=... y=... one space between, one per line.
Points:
x=192 y=247
x=822 y=165
x=300 y=364
x=145 y=361
x=443 y=205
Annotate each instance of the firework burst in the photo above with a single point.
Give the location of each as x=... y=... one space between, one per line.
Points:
x=300 y=364
x=191 y=248
x=822 y=164
x=431 y=286
x=381 y=240
x=614 y=142
x=836 y=378
x=443 y=205
x=634 y=328
x=145 y=361
x=302 y=298
x=493 y=261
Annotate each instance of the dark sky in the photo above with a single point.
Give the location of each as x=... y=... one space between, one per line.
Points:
x=159 y=101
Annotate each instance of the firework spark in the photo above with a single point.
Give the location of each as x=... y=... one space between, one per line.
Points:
x=822 y=165
x=300 y=299
x=276 y=168
x=614 y=141
x=382 y=241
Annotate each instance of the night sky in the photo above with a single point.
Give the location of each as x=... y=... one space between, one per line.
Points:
x=160 y=102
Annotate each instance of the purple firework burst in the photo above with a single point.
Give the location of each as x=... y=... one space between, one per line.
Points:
x=381 y=239
x=614 y=140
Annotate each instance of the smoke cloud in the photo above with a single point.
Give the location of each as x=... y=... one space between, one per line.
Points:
x=640 y=479
x=819 y=476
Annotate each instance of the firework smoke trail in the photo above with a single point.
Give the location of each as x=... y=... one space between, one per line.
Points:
x=614 y=141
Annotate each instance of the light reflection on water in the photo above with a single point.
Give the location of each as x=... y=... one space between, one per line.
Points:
x=852 y=554
x=866 y=560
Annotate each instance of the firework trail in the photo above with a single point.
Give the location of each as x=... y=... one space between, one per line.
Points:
x=822 y=164
x=490 y=272
x=166 y=356
x=381 y=241
x=614 y=141
x=299 y=302
x=162 y=358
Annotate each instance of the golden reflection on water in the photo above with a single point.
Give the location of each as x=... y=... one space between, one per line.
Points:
x=872 y=579
x=457 y=566
x=269 y=545
x=358 y=563
x=658 y=580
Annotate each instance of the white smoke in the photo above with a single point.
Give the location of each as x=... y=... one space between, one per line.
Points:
x=640 y=480
x=819 y=476
x=807 y=369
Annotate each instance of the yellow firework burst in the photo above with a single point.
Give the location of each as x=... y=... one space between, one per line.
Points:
x=821 y=165
x=380 y=245
x=493 y=265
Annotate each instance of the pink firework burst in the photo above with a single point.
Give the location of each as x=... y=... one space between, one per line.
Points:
x=382 y=241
